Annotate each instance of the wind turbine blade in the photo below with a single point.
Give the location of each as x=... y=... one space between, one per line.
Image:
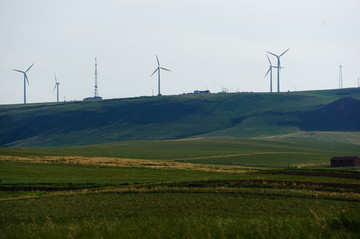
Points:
x=269 y=60
x=154 y=71
x=54 y=87
x=272 y=54
x=157 y=59
x=55 y=78
x=284 y=52
x=29 y=67
x=162 y=68
x=18 y=71
x=268 y=72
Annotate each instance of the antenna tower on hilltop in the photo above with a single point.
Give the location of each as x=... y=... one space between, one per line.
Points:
x=96 y=93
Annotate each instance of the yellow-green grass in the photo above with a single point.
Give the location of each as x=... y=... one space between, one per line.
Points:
x=341 y=137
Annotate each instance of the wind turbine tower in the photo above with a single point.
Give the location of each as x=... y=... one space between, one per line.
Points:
x=25 y=80
x=278 y=67
x=270 y=70
x=340 y=77
x=158 y=69
x=57 y=89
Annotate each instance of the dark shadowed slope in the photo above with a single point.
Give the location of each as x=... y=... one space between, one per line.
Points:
x=168 y=117
x=340 y=115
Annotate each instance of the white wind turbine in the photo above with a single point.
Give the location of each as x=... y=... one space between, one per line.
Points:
x=158 y=70
x=25 y=80
x=278 y=67
x=270 y=70
x=57 y=88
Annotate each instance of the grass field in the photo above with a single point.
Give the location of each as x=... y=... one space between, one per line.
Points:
x=179 y=213
x=222 y=151
x=194 y=188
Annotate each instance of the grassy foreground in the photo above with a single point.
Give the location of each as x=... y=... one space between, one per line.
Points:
x=200 y=188
x=180 y=213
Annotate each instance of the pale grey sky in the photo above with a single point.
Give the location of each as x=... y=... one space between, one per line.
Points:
x=208 y=44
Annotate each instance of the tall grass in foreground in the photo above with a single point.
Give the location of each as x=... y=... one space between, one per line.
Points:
x=185 y=227
x=192 y=214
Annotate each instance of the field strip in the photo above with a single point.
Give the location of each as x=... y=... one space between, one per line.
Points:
x=349 y=137
x=242 y=154
x=262 y=192
x=127 y=163
x=299 y=193
x=184 y=139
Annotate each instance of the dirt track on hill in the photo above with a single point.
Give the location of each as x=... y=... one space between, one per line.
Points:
x=206 y=184
x=256 y=182
x=318 y=173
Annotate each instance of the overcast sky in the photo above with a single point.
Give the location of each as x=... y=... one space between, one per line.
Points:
x=208 y=44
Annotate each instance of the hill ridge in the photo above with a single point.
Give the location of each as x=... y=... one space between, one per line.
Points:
x=169 y=117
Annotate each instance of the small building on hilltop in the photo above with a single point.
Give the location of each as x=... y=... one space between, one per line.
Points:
x=350 y=161
x=93 y=98
x=201 y=92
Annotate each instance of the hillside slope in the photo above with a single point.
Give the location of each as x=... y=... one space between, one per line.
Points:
x=172 y=117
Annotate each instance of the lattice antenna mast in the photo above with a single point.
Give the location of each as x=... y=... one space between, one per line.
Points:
x=340 y=77
x=96 y=93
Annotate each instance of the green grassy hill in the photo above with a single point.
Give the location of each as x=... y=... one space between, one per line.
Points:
x=182 y=116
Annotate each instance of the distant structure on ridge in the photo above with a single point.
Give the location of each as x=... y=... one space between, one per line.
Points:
x=278 y=67
x=96 y=91
x=158 y=71
x=270 y=70
x=25 y=80
x=202 y=92
x=340 y=77
x=57 y=88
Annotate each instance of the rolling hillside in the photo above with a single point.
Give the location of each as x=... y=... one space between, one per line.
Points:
x=182 y=116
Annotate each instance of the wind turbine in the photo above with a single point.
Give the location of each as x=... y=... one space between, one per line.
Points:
x=158 y=70
x=57 y=88
x=340 y=77
x=278 y=67
x=25 y=80
x=270 y=70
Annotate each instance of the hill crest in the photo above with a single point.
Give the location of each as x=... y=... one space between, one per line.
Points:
x=169 y=117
